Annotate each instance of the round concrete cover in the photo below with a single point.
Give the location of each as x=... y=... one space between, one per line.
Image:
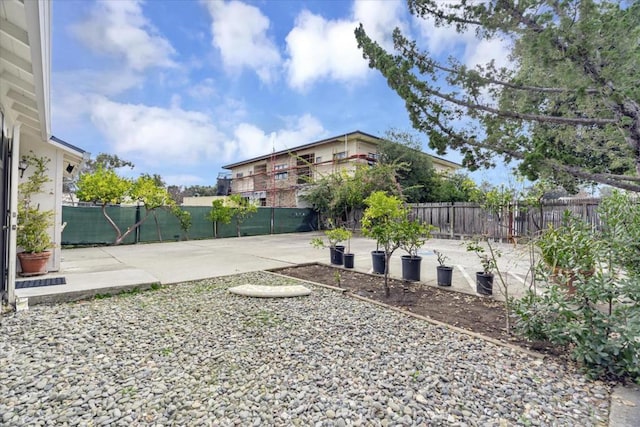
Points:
x=261 y=291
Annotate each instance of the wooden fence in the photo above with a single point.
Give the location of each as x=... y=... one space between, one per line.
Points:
x=463 y=220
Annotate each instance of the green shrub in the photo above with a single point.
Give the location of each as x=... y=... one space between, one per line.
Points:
x=599 y=322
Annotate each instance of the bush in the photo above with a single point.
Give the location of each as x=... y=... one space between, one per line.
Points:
x=599 y=321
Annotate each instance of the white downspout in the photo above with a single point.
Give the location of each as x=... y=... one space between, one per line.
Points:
x=13 y=214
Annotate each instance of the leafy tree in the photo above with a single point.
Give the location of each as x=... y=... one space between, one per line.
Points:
x=457 y=187
x=102 y=161
x=156 y=178
x=107 y=161
x=219 y=212
x=415 y=172
x=383 y=220
x=569 y=111
x=105 y=186
x=339 y=196
x=241 y=208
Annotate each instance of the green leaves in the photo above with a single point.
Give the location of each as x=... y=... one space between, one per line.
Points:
x=600 y=319
x=568 y=109
x=33 y=223
x=103 y=186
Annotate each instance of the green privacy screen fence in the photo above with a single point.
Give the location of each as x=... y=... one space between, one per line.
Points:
x=87 y=225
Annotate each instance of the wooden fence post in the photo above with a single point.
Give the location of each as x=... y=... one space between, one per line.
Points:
x=452 y=219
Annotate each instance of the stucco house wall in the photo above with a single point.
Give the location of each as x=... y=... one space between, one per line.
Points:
x=25 y=74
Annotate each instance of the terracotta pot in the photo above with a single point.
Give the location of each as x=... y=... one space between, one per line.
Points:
x=34 y=264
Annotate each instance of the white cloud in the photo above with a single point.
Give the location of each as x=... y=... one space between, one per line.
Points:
x=380 y=18
x=483 y=51
x=320 y=49
x=120 y=29
x=183 y=179
x=445 y=40
x=72 y=91
x=327 y=49
x=155 y=135
x=240 y=33
x=203 y=90
x=250 y=141
x=152 y=136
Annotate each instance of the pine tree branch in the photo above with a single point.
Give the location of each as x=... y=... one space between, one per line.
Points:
x=541 y=118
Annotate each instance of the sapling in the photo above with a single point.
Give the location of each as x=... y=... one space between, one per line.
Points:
x=489 y=261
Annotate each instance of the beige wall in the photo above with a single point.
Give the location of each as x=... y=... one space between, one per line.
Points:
x=286 y=189
x=201 y=200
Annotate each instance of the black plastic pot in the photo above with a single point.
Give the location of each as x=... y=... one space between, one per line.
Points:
x=484 y=283
x=445 y=274
x=336 y=253
x=378 y=261
x=348 y=260
x=411 y=268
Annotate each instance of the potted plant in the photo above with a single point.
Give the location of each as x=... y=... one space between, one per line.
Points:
x=484 y=278
x=349 y=258
x=411 y=236
x=444 y=272
x=32 y=235
x=334 y=236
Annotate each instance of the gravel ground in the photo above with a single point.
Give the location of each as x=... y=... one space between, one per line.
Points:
x=193 y=354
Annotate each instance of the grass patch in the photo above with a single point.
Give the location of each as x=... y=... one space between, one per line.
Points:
x=128 y=292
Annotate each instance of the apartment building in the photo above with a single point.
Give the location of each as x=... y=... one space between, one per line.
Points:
x=277 y=179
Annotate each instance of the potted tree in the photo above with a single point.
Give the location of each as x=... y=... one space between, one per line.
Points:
x=32 y=235
x=381 y=221
x=484 y=278
x=411 y=236
x=444 y=272
x=334 y=236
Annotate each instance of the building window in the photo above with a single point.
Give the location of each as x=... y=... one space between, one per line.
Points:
x=239 y=175
x=282 y=175
x=280 y=167
x=340 y=156
x=318 y=159
x=372 y=156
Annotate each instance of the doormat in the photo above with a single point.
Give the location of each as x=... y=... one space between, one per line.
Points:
x=41 y=282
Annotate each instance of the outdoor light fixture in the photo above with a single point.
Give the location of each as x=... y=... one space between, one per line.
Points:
x=70 y=168
x=23 y=165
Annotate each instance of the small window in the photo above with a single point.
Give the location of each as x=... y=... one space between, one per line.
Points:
x=280 y=167
x=372 y=156
x=318 y=159
x=239 y=175
x=340 y=156
x=281 y=176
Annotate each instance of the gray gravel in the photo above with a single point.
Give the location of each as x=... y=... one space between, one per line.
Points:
x=193 y=354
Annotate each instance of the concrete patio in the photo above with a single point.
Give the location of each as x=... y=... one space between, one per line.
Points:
x=89 y=271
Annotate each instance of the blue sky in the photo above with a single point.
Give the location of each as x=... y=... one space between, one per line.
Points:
x=183 y=87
